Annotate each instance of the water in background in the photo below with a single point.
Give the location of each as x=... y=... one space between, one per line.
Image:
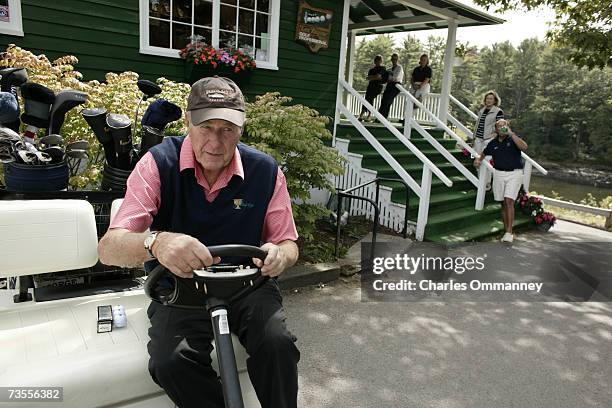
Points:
x=569 y=191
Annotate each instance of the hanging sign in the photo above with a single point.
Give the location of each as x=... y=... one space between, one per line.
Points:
x=313 y=26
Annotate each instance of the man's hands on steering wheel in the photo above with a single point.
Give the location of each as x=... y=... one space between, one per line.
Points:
x=182 y=254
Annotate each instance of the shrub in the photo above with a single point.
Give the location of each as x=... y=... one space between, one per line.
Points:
x=294 y=135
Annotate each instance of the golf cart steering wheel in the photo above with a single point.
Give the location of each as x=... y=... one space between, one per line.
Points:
x=223 y=282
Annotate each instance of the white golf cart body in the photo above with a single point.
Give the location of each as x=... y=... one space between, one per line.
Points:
x=55 y=343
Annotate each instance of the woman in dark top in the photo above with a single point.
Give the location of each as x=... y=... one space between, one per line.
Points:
x=377 y=76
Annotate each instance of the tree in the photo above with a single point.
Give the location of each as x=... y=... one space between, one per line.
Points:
x=584 y=26
x=364 y=58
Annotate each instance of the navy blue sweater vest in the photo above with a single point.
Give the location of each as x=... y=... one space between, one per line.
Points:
x=235 y=216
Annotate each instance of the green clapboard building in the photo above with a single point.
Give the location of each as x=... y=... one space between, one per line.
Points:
x=145 y=35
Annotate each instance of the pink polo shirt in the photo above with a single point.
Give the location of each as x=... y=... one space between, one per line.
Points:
x=143 y=196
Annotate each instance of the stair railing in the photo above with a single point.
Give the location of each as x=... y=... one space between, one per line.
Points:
x=423 y=190
x=530 y=164
x=480 y=182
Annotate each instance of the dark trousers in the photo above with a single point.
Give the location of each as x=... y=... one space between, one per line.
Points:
x=180 y=348
x=372 y=91
x=389 y=95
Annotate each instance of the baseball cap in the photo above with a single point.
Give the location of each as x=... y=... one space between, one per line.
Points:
x=216 y=98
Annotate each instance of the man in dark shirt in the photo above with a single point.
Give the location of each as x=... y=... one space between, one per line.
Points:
x=421 y=76
x=506 y=150
x=377 y=76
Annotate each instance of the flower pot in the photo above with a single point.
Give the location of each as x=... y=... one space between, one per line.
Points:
x=545 y=226
x=194 y=72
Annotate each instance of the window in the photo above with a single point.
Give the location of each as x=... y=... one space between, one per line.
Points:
x=249 y=25
x=10 y=17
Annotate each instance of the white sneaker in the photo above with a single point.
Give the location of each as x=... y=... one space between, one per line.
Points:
x=508 y=237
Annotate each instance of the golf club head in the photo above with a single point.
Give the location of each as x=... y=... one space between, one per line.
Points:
x=78 y=145
x=64 y=101
x=9 y=134
x=148 y=88
x=150 y=138
x=38 y=100
x=56 y=153
x=12 y=78
x=121 y=131
x=160 y=113
x=50 y=140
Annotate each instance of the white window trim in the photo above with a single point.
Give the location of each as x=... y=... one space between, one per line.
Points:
x=145 y=48
x=15 y=26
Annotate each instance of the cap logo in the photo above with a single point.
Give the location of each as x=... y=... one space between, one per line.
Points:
x=218 y=94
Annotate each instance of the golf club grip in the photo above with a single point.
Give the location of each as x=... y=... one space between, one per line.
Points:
x=247 y=251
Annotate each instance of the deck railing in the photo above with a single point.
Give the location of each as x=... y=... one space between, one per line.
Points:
x=396 y=112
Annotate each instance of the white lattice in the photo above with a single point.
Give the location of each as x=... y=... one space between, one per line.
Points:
x=391 y=214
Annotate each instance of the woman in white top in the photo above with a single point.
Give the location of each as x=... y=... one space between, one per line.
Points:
x=488 y=115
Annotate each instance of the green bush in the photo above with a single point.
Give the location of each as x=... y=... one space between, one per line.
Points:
x=294 y=135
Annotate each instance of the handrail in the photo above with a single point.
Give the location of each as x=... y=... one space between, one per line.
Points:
x=434 y=169
x=452 y=134
x=463 y=107
x=381 y=150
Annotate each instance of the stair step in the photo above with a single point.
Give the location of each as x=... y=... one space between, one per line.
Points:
x=477 y=231
x=461 y=217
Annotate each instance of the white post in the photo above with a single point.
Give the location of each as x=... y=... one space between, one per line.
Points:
x=408 y=111
x=527 y=175
x=482 y=189
x=447 y=74
x=341 y=63
x=351 y=58
x=423 y=203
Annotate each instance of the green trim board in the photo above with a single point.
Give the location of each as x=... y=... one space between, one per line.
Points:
x=104 y=36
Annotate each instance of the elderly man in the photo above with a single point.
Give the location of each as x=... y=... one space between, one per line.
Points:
x=206 y=189
x=506 y=148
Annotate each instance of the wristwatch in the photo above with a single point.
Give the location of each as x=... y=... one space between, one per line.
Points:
x=149 y=241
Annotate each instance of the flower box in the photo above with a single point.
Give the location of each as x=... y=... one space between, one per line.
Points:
x=194 y=72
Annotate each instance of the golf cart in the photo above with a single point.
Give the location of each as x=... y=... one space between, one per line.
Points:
x=56 y=343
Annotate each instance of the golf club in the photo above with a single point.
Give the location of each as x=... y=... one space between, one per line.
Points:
x=96 y=119
x=120 y=129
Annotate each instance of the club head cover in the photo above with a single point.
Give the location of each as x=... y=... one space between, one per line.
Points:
x=160 y=113
x=148 y=88
x=38 y=100
x=12 y=78
x=64 y=101
x=150 y=137
x=9 y=108
x=120 y=128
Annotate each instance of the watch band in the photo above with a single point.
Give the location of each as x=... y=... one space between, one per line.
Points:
x=149 y=241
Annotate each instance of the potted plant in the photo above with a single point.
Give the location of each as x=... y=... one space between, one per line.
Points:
x=534 y=207
x=545 y=221
x=202 y=60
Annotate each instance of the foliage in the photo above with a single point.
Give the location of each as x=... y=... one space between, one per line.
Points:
x=118 y=94
x=585 y=26
x=562 y=111
x=294 y=135
x=534 y=207
x=197 y=52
